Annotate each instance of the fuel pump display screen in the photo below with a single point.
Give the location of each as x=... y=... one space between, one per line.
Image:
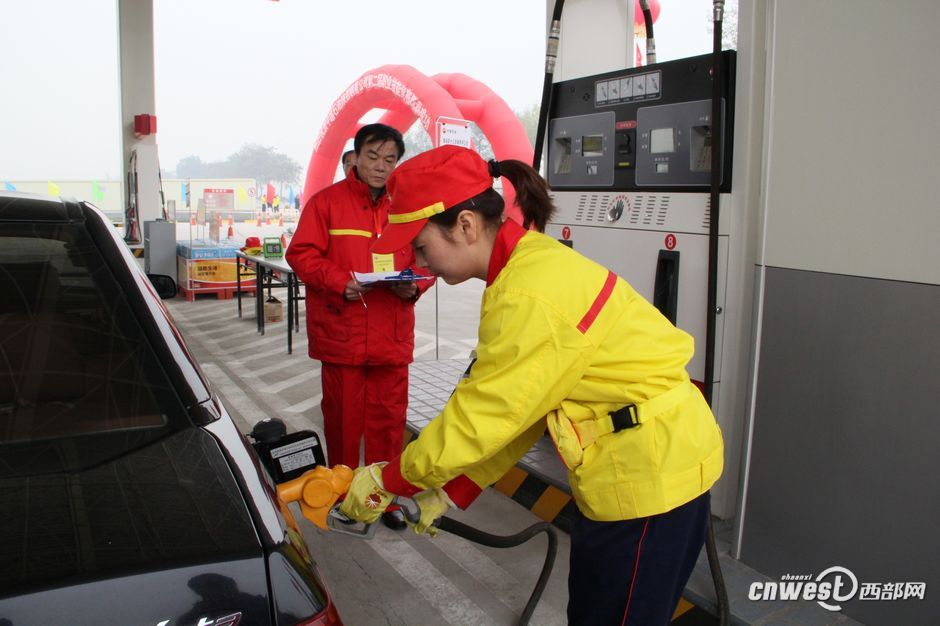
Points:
x=641 y=127
x=580 y=152
x=592 y=145
x=662 y=140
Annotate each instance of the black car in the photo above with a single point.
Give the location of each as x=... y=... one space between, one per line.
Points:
x=127 y=494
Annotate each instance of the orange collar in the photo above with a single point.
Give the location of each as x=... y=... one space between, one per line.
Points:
x=509 y=234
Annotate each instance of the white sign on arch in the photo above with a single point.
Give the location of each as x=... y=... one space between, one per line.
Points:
x=453 y=132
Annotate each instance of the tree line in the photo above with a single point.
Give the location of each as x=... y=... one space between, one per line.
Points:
x=265 y=164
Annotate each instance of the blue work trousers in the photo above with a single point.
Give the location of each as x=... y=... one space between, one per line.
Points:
x=632 y=572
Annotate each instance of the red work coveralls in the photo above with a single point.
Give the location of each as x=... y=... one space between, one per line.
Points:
x=364 y=350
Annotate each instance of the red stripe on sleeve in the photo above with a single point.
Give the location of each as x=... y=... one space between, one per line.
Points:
x=599 y=303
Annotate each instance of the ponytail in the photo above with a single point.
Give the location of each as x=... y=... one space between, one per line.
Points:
x=531 y=196
x=531 y=192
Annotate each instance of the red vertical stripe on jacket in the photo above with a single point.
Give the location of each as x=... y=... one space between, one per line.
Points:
x=599 y=303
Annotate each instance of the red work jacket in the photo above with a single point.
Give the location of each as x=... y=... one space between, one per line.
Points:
x=337 y=227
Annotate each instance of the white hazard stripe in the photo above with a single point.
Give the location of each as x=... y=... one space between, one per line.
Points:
x=287 y=383
x=306 y=405
x=245 y=411
x=248 y=376
x=455 y=607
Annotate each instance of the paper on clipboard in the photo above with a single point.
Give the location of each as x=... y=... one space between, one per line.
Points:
x=389 y=278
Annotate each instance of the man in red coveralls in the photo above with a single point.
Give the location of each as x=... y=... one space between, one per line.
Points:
x=363 y=336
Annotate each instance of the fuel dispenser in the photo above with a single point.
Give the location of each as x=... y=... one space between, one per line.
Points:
x=629 y=161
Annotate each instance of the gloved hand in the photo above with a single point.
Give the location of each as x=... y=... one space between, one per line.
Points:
x=366 y=499
x=432 y=505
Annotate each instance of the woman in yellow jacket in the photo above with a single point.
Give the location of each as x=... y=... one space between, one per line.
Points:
x=564 y=344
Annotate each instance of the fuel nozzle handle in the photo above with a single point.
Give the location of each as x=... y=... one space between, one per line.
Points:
x=409 y=508
x=317 y=491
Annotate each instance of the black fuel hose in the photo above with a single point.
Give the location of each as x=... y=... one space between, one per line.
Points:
x=510 y=541
x=714 y=565
x=551 y=54
x=718 y=580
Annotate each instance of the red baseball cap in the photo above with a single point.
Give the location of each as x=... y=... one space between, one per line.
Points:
x=428 y=184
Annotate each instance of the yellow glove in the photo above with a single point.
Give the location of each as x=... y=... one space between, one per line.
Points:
x=432 y=504
x=366 y=499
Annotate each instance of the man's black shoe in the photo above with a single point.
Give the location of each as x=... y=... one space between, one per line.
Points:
x=394 y=520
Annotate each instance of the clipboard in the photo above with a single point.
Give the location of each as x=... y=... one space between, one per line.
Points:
x=389 y=278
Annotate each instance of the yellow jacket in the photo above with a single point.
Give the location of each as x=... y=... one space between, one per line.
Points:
x=562 y=343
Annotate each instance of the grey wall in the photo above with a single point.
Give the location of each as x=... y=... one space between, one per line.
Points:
x=852 y=138
x=844 y=464
x=844 y=402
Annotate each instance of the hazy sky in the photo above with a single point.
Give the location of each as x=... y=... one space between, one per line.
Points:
x=231 y=72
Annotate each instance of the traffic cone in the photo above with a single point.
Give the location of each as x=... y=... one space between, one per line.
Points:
x=231 y=231
x=283 y=241
x=259 y=219
x=280 y=219
x=192 y=218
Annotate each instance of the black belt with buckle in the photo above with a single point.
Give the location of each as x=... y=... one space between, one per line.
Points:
x=624 y=418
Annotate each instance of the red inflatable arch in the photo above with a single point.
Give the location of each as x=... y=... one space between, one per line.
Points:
x=375 y=89
x=407 y=95
x=479 y=104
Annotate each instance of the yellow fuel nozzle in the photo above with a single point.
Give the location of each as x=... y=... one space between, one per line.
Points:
x=317 y=491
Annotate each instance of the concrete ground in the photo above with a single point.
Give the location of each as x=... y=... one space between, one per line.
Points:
x=395 y=578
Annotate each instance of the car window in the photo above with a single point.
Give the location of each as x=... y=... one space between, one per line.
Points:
x=74 y=361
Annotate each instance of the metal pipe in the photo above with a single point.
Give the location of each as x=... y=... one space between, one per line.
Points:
x=650 y=39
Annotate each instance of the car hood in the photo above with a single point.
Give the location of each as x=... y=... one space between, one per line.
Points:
x=223 y=593
x=160 y=535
